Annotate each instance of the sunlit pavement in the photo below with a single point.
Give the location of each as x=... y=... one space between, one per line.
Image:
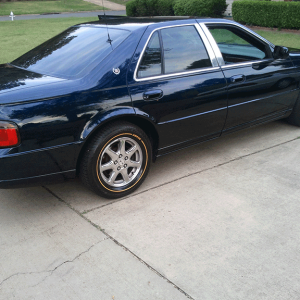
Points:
x=219 y=220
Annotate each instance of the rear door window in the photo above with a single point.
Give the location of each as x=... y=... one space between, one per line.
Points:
x=151 y=62
x=173 y=50
x=183 y=50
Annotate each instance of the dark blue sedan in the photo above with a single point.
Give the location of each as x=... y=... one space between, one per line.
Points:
x=103 y=99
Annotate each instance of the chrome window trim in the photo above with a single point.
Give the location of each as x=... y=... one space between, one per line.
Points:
x=217 y=50
x=245 y=63
x=212 y=68
x=178 y=74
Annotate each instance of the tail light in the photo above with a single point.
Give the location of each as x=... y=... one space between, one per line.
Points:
x=9 y=134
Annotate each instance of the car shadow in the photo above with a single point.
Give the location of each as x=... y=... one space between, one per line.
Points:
x=166 y=169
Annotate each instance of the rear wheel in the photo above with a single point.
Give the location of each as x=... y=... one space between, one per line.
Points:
x=117 y=160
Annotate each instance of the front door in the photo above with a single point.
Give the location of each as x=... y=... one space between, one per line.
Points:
x=259 y=87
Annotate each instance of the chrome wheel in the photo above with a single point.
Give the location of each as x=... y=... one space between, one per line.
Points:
x=120 y=162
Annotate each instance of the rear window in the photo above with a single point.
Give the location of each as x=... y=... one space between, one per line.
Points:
x=73 y=53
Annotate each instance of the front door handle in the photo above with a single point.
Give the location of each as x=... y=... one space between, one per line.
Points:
x=237 y=78
x=153 y=95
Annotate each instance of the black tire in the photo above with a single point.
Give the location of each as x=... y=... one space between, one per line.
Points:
x=294 y=117
x=106 y=161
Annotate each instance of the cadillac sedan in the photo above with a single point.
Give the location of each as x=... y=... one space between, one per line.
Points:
x=103 y=99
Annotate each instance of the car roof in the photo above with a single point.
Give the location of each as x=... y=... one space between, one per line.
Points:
x=134 y=23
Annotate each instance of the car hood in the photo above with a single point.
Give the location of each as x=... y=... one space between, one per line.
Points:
x=13 y=78
x=295 y=56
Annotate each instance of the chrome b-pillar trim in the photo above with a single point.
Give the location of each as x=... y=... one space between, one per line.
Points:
x=208 y=47
x=213 y=44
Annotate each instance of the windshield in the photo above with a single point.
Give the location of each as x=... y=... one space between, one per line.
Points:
x=73 y=53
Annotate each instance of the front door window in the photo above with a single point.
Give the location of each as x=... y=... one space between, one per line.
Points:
x=237 y=46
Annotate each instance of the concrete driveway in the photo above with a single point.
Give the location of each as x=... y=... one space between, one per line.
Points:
x=216 y=221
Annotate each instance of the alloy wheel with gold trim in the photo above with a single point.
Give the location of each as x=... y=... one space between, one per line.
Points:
x=117 y=160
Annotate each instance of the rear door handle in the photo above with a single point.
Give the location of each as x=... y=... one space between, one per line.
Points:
x=237 y=78
x=153 y=95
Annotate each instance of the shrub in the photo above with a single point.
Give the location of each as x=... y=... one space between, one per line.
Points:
x=165 y=7
x=131 y=8
x=218 y=7
x=141 y=8
x=145 y=8
x=208 y=8
x=201 y=8
x=267 y=13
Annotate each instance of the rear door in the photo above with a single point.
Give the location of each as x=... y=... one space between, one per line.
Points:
x=175 y=81
x=259 y=87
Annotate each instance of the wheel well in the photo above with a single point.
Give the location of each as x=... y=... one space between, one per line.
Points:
x=145 y=125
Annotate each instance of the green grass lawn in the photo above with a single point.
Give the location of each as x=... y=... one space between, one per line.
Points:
x=18 y=37
x=40 y=7
x=280 y=38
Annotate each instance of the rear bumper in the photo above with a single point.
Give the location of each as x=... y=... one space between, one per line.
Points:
x=37 y=167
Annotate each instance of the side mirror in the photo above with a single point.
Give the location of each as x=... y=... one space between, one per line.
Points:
x=280 y=52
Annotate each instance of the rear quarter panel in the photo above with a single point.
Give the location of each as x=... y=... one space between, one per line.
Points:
x=56 y=120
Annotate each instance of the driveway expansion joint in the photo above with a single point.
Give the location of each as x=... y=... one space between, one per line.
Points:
x=116 y=242
x=52 y=270
x=147 y=265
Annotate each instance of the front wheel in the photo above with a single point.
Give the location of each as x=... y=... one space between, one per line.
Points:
x=117 y=160
x=294 y=117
